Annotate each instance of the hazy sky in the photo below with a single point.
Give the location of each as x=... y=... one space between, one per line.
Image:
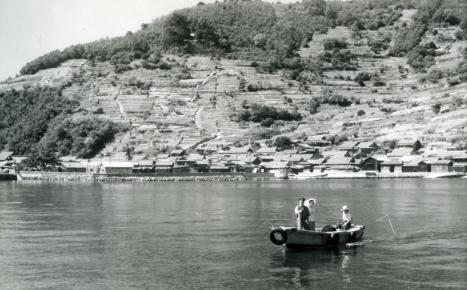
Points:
x=30 y=28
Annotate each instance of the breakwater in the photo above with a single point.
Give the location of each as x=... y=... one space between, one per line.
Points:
x=207 y=178
x=103 y=178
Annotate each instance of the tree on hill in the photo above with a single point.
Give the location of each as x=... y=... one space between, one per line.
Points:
x=176 y=31
x=334 y=43
x=259 y=113
x=205 y=33
x=283 y=142
x=260 y=40
x=422 y=56
x=315 y=7
x=361 y=78
x=42 y=157
x=27 y=114
x=49 y=60
x=285 y=41
x=259 y=31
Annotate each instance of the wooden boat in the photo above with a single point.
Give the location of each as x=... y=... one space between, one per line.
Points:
x=306 y=175
x=328 y=236
x=445 y=175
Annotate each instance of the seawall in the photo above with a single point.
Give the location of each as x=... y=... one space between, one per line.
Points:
x=85 y=177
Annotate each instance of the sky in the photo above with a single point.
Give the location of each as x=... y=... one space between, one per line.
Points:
x=31 y=28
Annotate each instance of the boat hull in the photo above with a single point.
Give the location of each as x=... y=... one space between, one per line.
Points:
x=294 y=238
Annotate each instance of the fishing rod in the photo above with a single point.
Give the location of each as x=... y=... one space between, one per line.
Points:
x=389 y=220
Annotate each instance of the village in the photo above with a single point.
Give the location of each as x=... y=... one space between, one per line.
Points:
x=190 y=124
x=315 y=158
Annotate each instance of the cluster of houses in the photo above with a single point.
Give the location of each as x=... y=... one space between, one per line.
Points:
x=314 y=156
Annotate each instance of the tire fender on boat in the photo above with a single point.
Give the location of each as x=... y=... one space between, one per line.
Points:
x=273 y=236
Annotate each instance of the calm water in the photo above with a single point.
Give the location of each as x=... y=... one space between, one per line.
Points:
x=215 y=235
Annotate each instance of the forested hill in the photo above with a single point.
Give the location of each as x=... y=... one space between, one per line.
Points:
x=201 y=73
x=255 y=29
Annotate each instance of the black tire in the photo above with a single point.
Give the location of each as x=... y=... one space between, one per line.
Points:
x=278 y=232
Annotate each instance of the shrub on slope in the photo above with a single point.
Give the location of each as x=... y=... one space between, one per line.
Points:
x=39 y=122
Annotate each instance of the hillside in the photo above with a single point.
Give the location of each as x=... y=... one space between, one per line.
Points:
x=346 y=78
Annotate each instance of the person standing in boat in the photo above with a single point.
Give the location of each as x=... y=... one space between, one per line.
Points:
x=346 y=218
x=312 y=209
x=303 y=215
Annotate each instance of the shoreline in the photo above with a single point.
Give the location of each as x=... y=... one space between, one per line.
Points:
x=102 y=178
x=234 y=177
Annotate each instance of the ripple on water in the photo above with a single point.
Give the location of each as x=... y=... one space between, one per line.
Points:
x=200 y=236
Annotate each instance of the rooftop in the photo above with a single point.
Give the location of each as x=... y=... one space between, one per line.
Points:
x=4 y=155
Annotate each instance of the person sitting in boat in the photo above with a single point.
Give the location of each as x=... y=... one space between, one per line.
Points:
x=312 y=209
x=303 y=214
x=346 y=218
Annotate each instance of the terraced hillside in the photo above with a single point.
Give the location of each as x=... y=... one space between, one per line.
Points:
x=197 y=99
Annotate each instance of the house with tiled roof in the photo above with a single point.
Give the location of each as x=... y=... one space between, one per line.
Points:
x=367 y=147
x=302 y=156
x=414 y=164
x=177 y=152
x=208 y=148
x=399 y=152
x=189 y=160
x=202 y=165
x=316 y=162
x=392 y=166
x=319 y=140
x=164 y=165
x=304 y=148
x=245 y=159
x=373 y=163
x=460 y=167
x=439 y=165
x=219 y=168
x=162 y=156
x=456 y=155
x=278 y=168
x=414 y=144
x=289 y=151
x=109 y=167
x=182 y=168
x=337 y=160
x=459 y=157
x=6 y=155
x=266 y=150
x=142 y=166
x=348 y=146
x=245 y=150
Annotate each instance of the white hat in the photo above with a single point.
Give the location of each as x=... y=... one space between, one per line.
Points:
x=312 y=199
x=344 y=207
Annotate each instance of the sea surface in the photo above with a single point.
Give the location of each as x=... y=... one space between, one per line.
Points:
x=216 y=235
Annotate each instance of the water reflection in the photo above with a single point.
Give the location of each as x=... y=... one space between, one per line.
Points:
x=305 y=268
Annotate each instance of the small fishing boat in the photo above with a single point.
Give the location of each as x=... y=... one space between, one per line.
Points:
x=302 y=175
x=445 y=175
x=327 y=236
